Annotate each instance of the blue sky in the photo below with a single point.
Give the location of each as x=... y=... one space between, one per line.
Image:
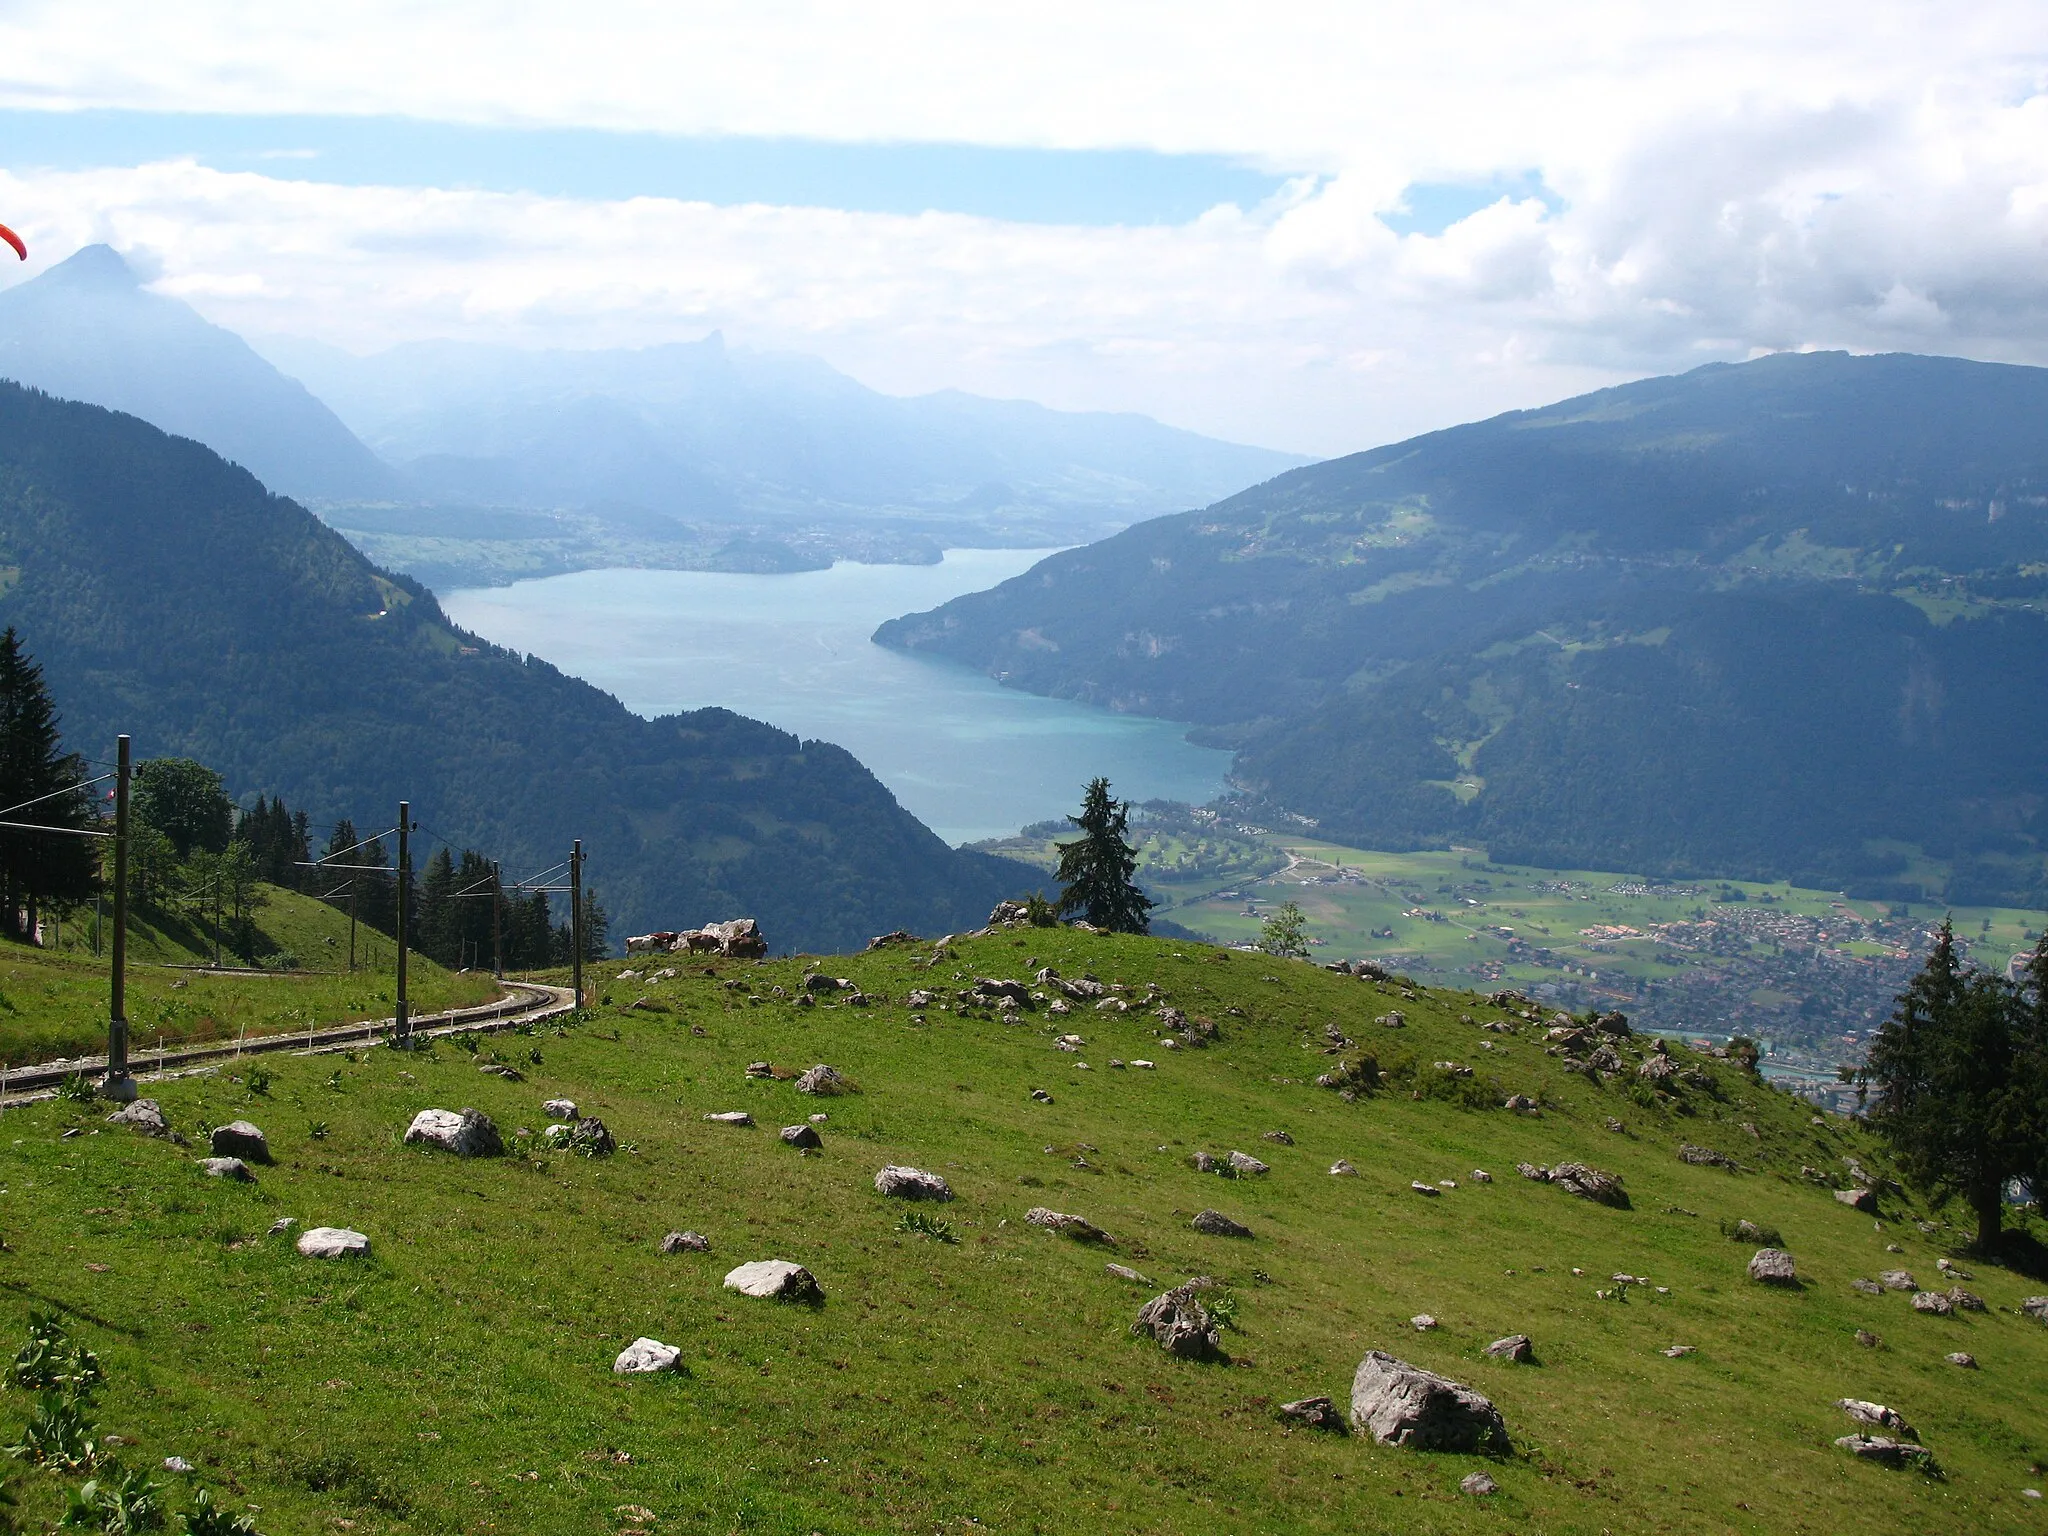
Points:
x=1036 y=185
x=1313 y=224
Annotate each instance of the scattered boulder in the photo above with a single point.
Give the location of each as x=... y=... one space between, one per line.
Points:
x=1590 y=1183
x=1680 y=1351
x=1962 y=1359
x=760 y=1069
x=1041 y=1096
x=1179 y=1324
x=1704 y=1157
x=804 y=1138
x=1077 y=1227
x=1867 y=1287
x=686 y=1242
x=1773 y=1266
x=1422 y=1322
x=1216 y=1224
x=1478 y=1484
x=467 y=1133
x=239 y=1139
x=1515 y=1348
x=1887 y=1452
x=1245 y=1165
x=2035 y=1307
x=912 y=1184
x=1204 y=1162
x=1898 y=1280
x=1747 y=1231
x=1858 y=1200
x=818 y=981
x=514 y=1075
x=1401 y=1404
x=1283 y=1139
x=560 y=1109
x=1965 y=1301
x=332 y=1243
x=282 y=1225
x=1125 y=1272
x=900 y=936
x=1481 y=1176
x=644 y=1356
x=1342 y=1168
x=143 y=1117
x=1315 y=1412
x=1425 y=1189
x=1520 y=1102
x=1876 y=1415
x=587 y=1134
x=737 y=1117
x=1867 y=1339
x=1533 y=1171
x=774 y=1280
x=227 y=1168
x=823 y=1080
x=1934 y=1302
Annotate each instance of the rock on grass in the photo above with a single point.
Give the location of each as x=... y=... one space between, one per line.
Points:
x=644 y=1356
x=912 y=1184
x=1402 y=1404
x=467 y=1133
x=1216 y=1224
x=776 y=1280
x=332 y=1243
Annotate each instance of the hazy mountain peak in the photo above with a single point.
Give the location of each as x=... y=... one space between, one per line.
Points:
x=87 y=329
x=98 y=268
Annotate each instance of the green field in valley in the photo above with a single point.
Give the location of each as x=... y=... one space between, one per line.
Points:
x=1810 y=972
x=981 y=1374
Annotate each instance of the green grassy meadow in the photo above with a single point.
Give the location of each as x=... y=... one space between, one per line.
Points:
x=53 y=1002
x=459 y=1379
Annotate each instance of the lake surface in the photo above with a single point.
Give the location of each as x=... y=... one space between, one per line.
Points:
x=967 y=757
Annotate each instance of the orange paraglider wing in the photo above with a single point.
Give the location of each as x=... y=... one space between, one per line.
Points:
x=14 y=240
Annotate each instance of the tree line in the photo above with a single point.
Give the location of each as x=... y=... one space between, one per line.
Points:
x=195 y=855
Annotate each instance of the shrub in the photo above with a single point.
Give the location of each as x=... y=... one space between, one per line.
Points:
x=922 y=1225
x=204 y=1519
x=76 y=1088
x=257 y=1080
x=120 y=1507
x=52 y=1361
x=1039 y=912
x=59 y=1434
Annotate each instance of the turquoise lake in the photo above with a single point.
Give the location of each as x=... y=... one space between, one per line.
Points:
x=966 y=756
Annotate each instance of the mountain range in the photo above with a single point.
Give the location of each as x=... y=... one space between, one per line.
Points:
x=167 y=594
x=1786 y=618
x=467 y=461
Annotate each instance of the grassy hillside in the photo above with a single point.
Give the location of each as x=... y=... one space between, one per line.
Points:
x=460 y=1377
x=53 y=1002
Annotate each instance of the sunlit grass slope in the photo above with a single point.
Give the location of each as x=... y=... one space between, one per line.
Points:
x=460 y=1378
x=53 y=1002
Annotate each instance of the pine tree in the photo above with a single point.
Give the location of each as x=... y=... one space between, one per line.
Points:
x=1096 y=870
x=1959 y=1074
x=439 y=926
x=38 y=868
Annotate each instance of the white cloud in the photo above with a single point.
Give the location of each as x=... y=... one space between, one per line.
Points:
x=1737 y=177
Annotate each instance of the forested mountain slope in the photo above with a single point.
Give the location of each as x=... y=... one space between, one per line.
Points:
x=168 y=595
x=1773 y=618
x=88 y=330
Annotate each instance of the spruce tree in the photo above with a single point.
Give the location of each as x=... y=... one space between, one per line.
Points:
x=1959 y=1074
x=1096 y=870
x=439 y=926
x=38 y=868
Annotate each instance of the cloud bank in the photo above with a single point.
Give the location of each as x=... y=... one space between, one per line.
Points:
x=1871 y=177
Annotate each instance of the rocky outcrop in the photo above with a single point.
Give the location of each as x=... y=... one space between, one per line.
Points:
x=645 y=1356
x=240 y=1139
x=823 y=1081
x=912 y=1184
x=739 y=939
x=332 y=1243
x=1180 y=1324
x=1858 y=1200
x=774 y=1280
x=1402 y=1404
x=466 y=1133
x=1877 y=1416
x=142 y=1117
x=1590 y=1183
x=1080 y=1228
x=1773 y=1266
x=1315 y=1413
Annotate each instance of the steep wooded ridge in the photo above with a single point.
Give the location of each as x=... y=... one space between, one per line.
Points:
x=168 y=595
x=1779 y=618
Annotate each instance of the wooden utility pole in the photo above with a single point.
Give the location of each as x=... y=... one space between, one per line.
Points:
x=497 y=923
x=576 y=919
x=118 y=1084
x=402 y=1025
